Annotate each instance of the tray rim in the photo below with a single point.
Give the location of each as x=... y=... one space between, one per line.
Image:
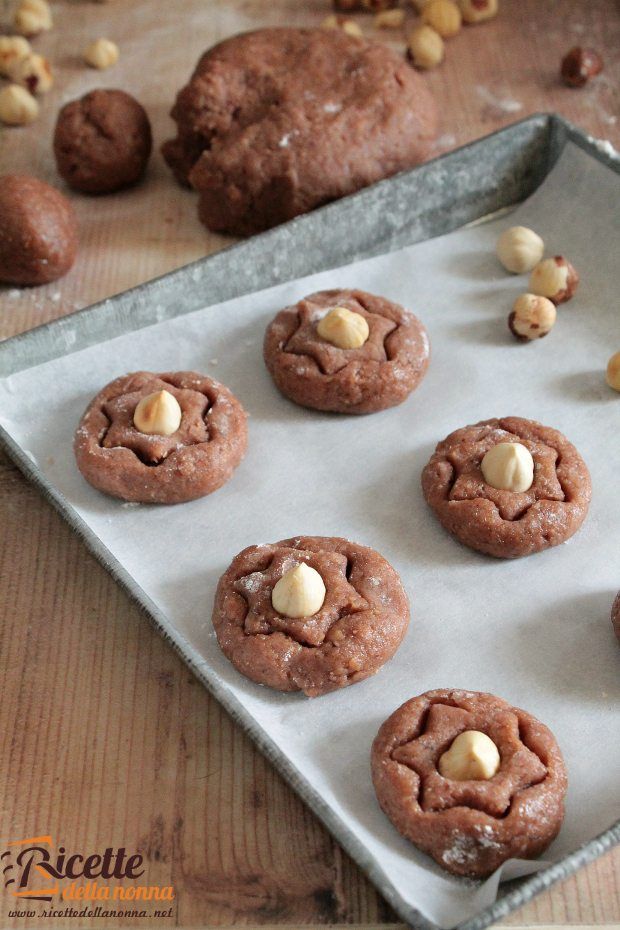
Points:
x=560 y=131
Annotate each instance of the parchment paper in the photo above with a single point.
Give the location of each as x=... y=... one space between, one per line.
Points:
x=535 y=631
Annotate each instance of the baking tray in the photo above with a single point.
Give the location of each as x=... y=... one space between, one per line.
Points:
x=443 y=195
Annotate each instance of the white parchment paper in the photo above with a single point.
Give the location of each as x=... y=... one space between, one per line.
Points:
x=535 y=631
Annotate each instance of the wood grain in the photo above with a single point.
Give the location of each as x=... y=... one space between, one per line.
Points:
x=105 y=737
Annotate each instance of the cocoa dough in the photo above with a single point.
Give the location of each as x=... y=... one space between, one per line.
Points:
x=38 y=231
x=102 y=142
x=276 y=122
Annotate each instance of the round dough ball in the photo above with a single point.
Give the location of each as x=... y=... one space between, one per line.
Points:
x=102 y=142
x=38 y=231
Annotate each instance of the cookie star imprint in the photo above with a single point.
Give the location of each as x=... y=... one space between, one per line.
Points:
x=348 y=622
x=469 y=826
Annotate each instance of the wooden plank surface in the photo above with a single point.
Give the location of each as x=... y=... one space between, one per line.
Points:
x=105 y=737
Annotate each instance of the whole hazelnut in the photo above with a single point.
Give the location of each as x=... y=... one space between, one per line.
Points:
x=12 y=50
x=444 y=16
x=101 y=54
x=612 y=375
x=33 y=17
x=17 y=106
x=519 y=249
x=34 y=73
x=344 y=328
x=579 y=65
x=472 y=756
x=554 y=278
x=508 y=466
x=158 y=414
x=389 y=19
x=532 y=317
x=477 y=11
x=341 y=22
x=425 y=48
x=300 y=592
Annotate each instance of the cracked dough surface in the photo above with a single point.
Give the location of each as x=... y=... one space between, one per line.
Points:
x=469 y=827
x=314 y=373
x=361 y=624
x=508 y=524
x=197 y=459
x=278 y=121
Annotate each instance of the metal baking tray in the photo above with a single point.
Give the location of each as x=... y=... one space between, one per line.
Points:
x=461 y=187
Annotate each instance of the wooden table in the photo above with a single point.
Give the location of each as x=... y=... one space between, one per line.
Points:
x=106 y=739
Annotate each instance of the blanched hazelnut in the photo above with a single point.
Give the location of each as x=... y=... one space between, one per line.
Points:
x=612 y=375
x=532 y=317
x=579 y=65
x=344 y=328
x=33 y=17
x=34 y=73
x=472 y=756
x=101 y=54
x=17 y=106
x=300 y=592
x=519 y=249
x=12 y=50
x=477 y=11
x=444 y=16
x=341 y=22
x=508 y=466
x=158 y=413
x=389 y=19
x=425 y=48
x=554 y=278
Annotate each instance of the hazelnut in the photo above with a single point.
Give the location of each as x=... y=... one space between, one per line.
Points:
x=33 y=17
x=477 y=11
x=34 y=73
x=425 y=48
x=12 y=50
x=444 y=16
x=472 y=756
x=554 y=278
x=532 y=317
x=508 y=466
x=158 y=413
x=579 y=65
x=519 y=249
x=17 y=106
x=612 y=375
x=300 y=592
x=341 y=22
x=101 y=54
x=344 y=328
x=389 y=19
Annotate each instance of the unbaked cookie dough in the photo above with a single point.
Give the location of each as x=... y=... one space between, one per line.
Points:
x=315 y=373
x=276 y=122
x=615 y=616
x=102 y=142
x=471 y=826
x=360 y=625
x=194 y=460
x=38 y=231
x=502 y=523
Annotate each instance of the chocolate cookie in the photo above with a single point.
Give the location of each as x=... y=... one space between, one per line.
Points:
x=469 y=826
x=38 y=231
x=362 y=621
x=102 y=142
x=502 y=523
x=276 y=122
x=315 y=373
x=615 y=616
x=196 y=459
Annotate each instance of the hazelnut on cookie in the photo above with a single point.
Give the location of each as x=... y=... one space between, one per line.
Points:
x=346 y=351
x=508 y=487
x=469 y=780
x=310 y=614
x=161 y=438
